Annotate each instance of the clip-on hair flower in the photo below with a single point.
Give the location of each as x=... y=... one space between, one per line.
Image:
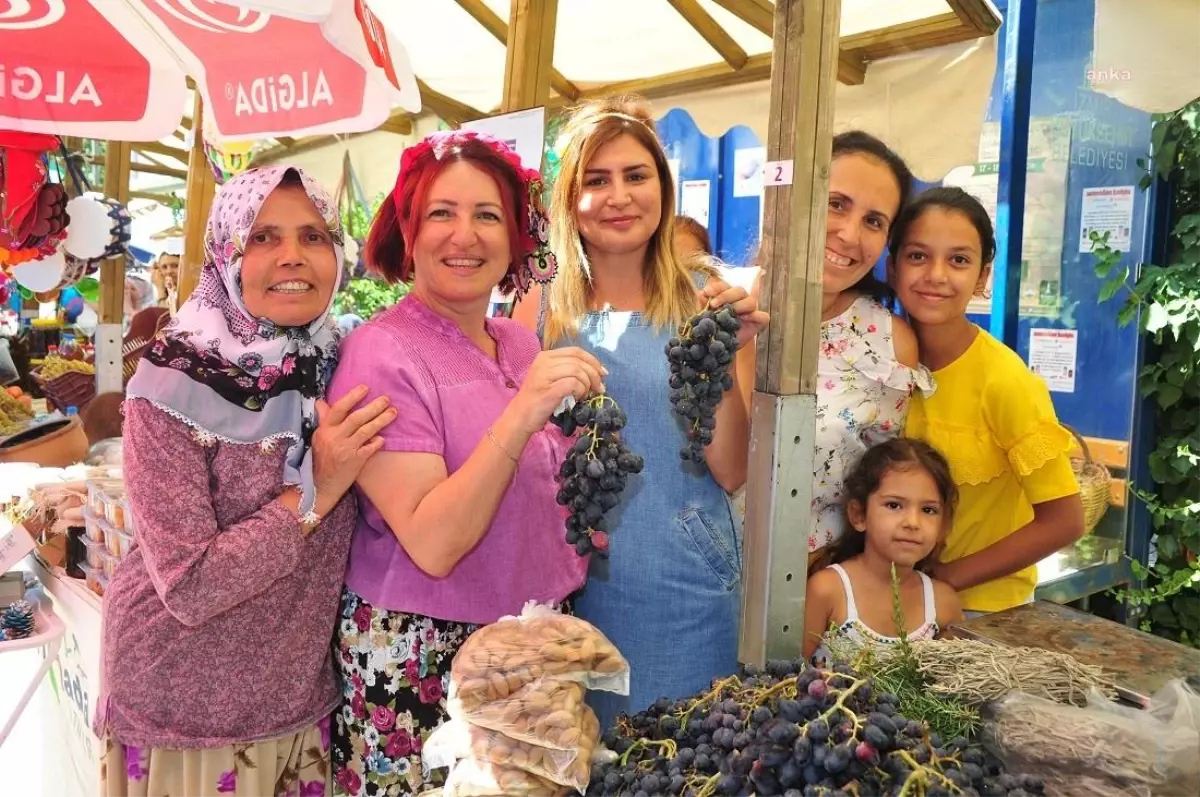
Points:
x=540 y=264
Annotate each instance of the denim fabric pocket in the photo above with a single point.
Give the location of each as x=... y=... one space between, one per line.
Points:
x=720 y=553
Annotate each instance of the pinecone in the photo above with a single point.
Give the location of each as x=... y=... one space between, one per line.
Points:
x=17 y=620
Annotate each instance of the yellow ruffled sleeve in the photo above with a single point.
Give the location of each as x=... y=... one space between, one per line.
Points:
x=1022 y=420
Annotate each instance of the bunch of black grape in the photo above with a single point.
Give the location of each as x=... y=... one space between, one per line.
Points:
x=594 y=472
x=795 y=731
x=700 y=357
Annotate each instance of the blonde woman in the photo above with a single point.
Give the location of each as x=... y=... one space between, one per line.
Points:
x=669 y=594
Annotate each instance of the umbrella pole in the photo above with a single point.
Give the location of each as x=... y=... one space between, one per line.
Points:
x=783 y=409
x=201 y=188
x=109 y=377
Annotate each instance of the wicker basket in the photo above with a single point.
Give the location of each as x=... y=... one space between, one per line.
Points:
x=1095 y=484
x=70 y=389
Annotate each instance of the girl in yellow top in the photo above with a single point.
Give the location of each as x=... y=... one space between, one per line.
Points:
x=990 y=415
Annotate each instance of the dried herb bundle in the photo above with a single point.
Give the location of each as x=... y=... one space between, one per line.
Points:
x=977 y=672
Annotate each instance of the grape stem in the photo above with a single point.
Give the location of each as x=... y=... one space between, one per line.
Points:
x=718 y=687
x=666 y=747
x=921 y=775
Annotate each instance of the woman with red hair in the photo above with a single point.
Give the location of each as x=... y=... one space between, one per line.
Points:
x=458 y=524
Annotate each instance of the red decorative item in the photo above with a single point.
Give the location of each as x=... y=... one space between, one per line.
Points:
x=22 y=175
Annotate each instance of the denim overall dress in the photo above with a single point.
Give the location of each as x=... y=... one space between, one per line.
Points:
x=669 y=594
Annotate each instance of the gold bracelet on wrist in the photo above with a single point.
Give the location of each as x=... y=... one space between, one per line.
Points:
x=492 y=436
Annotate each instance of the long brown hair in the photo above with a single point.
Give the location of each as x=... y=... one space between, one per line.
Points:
x=901 y=453
x=669 y=282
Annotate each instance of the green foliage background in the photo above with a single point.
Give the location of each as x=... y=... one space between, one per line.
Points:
x=1164 y=300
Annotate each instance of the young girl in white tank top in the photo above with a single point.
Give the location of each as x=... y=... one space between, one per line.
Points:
x=900 y=501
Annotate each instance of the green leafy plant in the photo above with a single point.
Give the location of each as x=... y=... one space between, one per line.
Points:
x=366 y=296
x=1165 y=303
x=356 y=218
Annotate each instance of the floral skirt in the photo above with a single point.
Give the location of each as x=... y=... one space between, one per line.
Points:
x=395 y=670
x=291 y=766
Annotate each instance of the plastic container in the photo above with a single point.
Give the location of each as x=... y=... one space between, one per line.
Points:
x=93 y=526
x=96 y=580
x=114 y=508
x=98 y=489
x=117 y=542
x=110 y=563
x=95 y=553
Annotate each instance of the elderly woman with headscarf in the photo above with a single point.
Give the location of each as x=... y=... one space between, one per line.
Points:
x=217 y=676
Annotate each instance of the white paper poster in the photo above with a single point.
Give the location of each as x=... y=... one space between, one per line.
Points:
x=748 y=171
x=1108 y=209
x=1053 y=355
x=694 y=195
x=1045 y=208
x=523 y=131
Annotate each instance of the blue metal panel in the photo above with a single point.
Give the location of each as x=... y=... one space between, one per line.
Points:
x=700 y=159
x=1107 y=138
x=740 y=215
x=1019 y=21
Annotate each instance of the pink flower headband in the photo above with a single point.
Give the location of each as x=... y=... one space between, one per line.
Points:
x=540 y=263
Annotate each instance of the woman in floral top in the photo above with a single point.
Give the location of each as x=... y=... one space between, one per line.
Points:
x=868 y=366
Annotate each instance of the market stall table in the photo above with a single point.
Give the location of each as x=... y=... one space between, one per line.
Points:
x=1139 y=664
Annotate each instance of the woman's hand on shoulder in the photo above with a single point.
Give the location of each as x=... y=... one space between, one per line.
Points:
x=345 y=438
x=554 y=375
x=717 y=293
x=904 y=342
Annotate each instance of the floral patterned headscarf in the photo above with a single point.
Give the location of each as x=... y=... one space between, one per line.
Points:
x=231 y=376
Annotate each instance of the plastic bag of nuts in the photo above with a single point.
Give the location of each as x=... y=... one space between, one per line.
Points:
x=459 y=741
x=472 y=778
x=501 y=659
x=546 y=712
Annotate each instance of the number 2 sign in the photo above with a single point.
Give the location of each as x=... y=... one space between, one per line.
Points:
x=777 y=173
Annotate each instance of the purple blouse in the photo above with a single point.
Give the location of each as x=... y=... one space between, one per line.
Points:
x=447 y=393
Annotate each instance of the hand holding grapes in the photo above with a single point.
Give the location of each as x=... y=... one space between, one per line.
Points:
x=718 y=294
x=553 y=376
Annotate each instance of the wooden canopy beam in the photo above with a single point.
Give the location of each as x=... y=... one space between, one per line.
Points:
x=162 y=199
x=711 y=31
x=449 y=109
x=496 y=26
x=758 y=14
x=909 y=37
x=851 y=68
x=976 y=14
x=146 y=168
x=399 y=123
x=179 y=153
x=529 y=54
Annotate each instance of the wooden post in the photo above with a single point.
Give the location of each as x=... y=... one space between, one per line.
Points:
x=112 y=271
x=201 y=188
x=783 y=409
x=108 y=336
x=528 y=63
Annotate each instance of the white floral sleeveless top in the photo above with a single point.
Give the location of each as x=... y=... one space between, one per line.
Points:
x=862 y=399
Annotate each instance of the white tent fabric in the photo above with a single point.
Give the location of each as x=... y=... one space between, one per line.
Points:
x=1147 y=53
x=596 y=43
x=929 y=106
